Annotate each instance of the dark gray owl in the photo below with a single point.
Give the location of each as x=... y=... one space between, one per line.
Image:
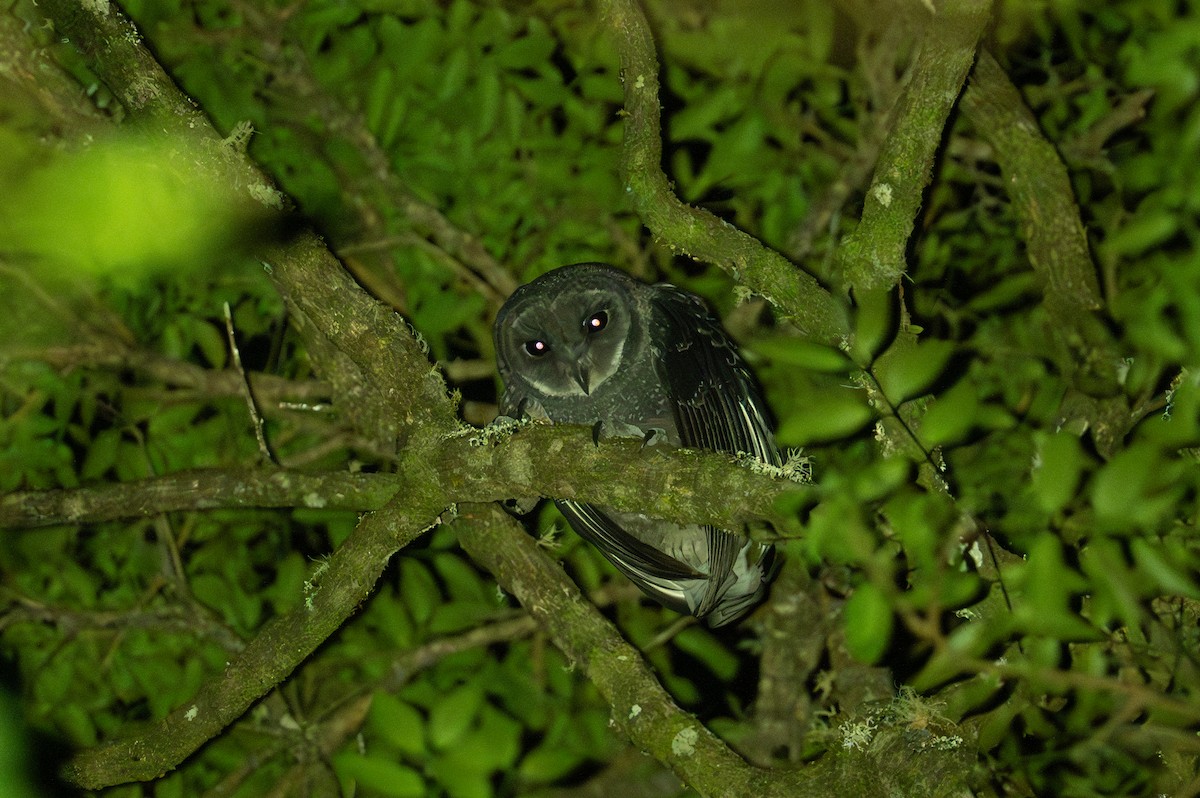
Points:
x=587 y=344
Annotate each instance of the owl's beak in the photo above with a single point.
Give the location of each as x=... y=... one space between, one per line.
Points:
x=582 y=377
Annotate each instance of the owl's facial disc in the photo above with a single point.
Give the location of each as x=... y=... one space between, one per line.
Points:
x=570 y=344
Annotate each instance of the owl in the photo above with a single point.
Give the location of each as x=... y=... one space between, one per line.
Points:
x=588 y=344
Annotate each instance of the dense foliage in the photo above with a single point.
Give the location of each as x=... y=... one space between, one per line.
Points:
x=1003 y=510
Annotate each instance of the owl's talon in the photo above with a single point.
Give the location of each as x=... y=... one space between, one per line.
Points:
x=603 y=430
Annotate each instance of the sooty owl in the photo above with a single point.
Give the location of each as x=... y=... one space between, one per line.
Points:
x=587 y=344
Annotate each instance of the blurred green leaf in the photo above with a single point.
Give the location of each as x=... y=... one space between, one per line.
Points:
x=461 y=579
x=874 y=325
x=547 y=763
x=101 y=455
x=1056 y=477
x=905 y=372
x=418 y=589
x=1136 y=488
x=704 y=646
x=454 y=714
x=398 y=723
x=868 y=620
x=1048 y=587
x=123 y=208
x=379 y=775
x=803 y=354
x=1173 y=578
x=494 y=744
x=1146 y=230
x=825 y=416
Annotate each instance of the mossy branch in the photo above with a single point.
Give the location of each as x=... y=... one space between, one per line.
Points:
x=1039 y=188
x=888 y=761
x=539 y=460
x=873 y=256
x=1037 y=183
x=276 y=650
x=694 y=231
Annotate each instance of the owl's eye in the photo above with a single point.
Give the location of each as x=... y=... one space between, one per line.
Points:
x=537 y=348
x=596 y=322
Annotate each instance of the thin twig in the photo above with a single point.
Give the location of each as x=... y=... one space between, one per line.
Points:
x=251 y=406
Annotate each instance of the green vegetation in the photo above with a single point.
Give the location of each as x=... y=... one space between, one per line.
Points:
x=990 y=360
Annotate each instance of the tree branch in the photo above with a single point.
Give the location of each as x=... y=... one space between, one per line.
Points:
x=538 y=460
x=642 y=710
x=1039 y=188
x=890 y=763
x=1038 y=185
x=872 y=257
x=694 y=231
x=211 y=383
x=393 y=390
x=280 y=646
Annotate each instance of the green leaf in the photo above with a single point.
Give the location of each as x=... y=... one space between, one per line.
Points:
x=454 y=74
x=101 y=455
x=380 y=775
x=966 y=642
x=699 y=118
x=454 y=714
x=1114 y=588
x=170 y=787
x=380 y=96
x=528 y=52
x=211 y=342
x=1157 y=564
x=837 y=532
x=123 y=207
x=460 y=578
x=493 y=745
x=997 y=725
x=874 y=325
x=459 y=777
x=951 y=415
x=419 y=589
x=803 y=354
x=1145 y=230
x=74 y=722
x=1047 y=588
x=457 y=616
x=868 y=620
x=547 y=763
x=1056 y=478
x=1136 y=488
x=879 y=478
x=825 y=416
x=288 y=590
x=398 y=723
x=704 y=646
x=394 y=620
x=905 y=372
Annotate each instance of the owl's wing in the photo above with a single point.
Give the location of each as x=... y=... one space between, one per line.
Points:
x=713 y=396
x=626 y=551
x=715 y=401
x=655 y=572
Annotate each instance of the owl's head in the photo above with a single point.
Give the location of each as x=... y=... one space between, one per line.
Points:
x=565 y=333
